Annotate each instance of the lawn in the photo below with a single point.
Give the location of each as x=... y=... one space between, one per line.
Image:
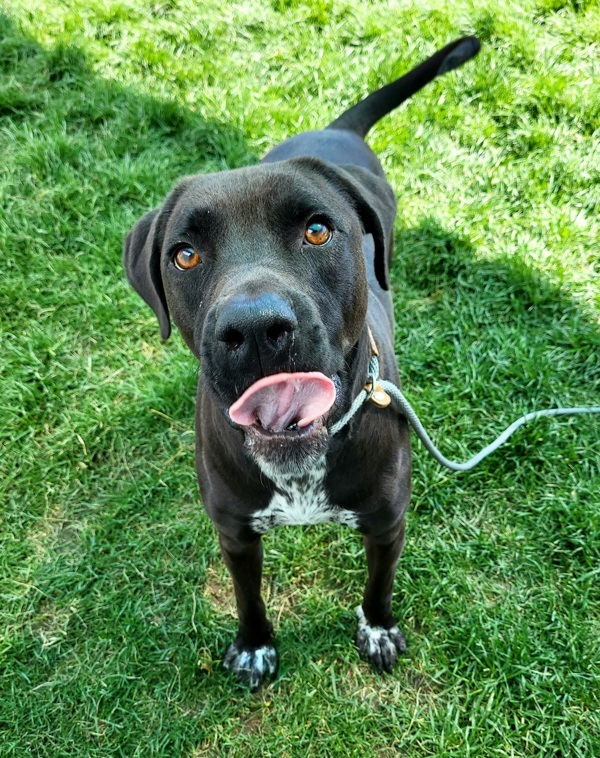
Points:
x=115 y=608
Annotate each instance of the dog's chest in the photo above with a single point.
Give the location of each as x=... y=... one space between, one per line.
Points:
x=301 y=500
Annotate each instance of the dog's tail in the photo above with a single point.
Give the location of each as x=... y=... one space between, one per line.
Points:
x=362 y=116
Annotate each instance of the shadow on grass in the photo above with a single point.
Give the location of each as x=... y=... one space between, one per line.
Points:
x=486 y=340
x=39 y=81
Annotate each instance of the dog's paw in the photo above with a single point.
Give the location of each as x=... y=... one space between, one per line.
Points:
x=378 y=646
x=251 y=665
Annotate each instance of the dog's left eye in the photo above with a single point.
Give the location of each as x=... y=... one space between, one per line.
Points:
x=186 y=258
x=317 y=233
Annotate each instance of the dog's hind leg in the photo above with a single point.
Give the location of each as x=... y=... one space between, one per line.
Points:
x=378 y=639
x=252 y=656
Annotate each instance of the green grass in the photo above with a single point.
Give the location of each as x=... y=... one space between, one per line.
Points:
x=114 y=605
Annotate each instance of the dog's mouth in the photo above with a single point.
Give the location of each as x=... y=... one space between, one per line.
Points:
x=285 y=406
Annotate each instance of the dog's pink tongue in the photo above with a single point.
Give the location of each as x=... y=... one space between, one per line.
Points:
x=280 y=400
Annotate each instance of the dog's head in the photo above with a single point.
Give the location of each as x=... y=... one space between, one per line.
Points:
x=262 y=270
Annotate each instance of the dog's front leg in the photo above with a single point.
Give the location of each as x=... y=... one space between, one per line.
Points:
x=378 y=638
x=252 y=656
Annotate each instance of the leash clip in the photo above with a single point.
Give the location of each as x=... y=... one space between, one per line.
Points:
x=375 y=392
x=378 y=396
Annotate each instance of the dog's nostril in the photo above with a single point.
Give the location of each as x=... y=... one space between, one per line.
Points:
x=276 y=332
x=232 y=338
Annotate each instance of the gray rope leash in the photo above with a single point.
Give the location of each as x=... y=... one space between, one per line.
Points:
x=361 y=398
x=403 y=405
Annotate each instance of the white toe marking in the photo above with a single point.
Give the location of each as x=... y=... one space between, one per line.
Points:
x=378 y=639
x=251 y=666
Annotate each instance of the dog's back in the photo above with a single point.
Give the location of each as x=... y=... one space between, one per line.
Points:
x=342 y=143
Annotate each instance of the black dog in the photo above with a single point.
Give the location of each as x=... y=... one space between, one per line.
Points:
x=277 y=278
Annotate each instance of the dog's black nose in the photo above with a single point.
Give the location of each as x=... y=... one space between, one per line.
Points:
x=262 y=325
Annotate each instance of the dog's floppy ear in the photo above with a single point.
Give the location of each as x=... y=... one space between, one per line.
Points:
x=141 y=259
x=376 y=204
x=374 y=201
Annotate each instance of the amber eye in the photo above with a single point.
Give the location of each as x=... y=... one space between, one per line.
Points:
x=186 y=258
x=317 y=233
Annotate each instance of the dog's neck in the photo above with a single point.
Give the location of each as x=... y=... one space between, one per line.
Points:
x=357 y=365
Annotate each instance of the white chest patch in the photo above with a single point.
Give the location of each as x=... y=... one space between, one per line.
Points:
x=301 y=500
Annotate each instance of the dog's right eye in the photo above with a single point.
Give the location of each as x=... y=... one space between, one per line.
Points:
x=186 y=258
x=317 y=233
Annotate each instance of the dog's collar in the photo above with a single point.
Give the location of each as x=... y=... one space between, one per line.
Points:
x=376 y=394
x=371 y=392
